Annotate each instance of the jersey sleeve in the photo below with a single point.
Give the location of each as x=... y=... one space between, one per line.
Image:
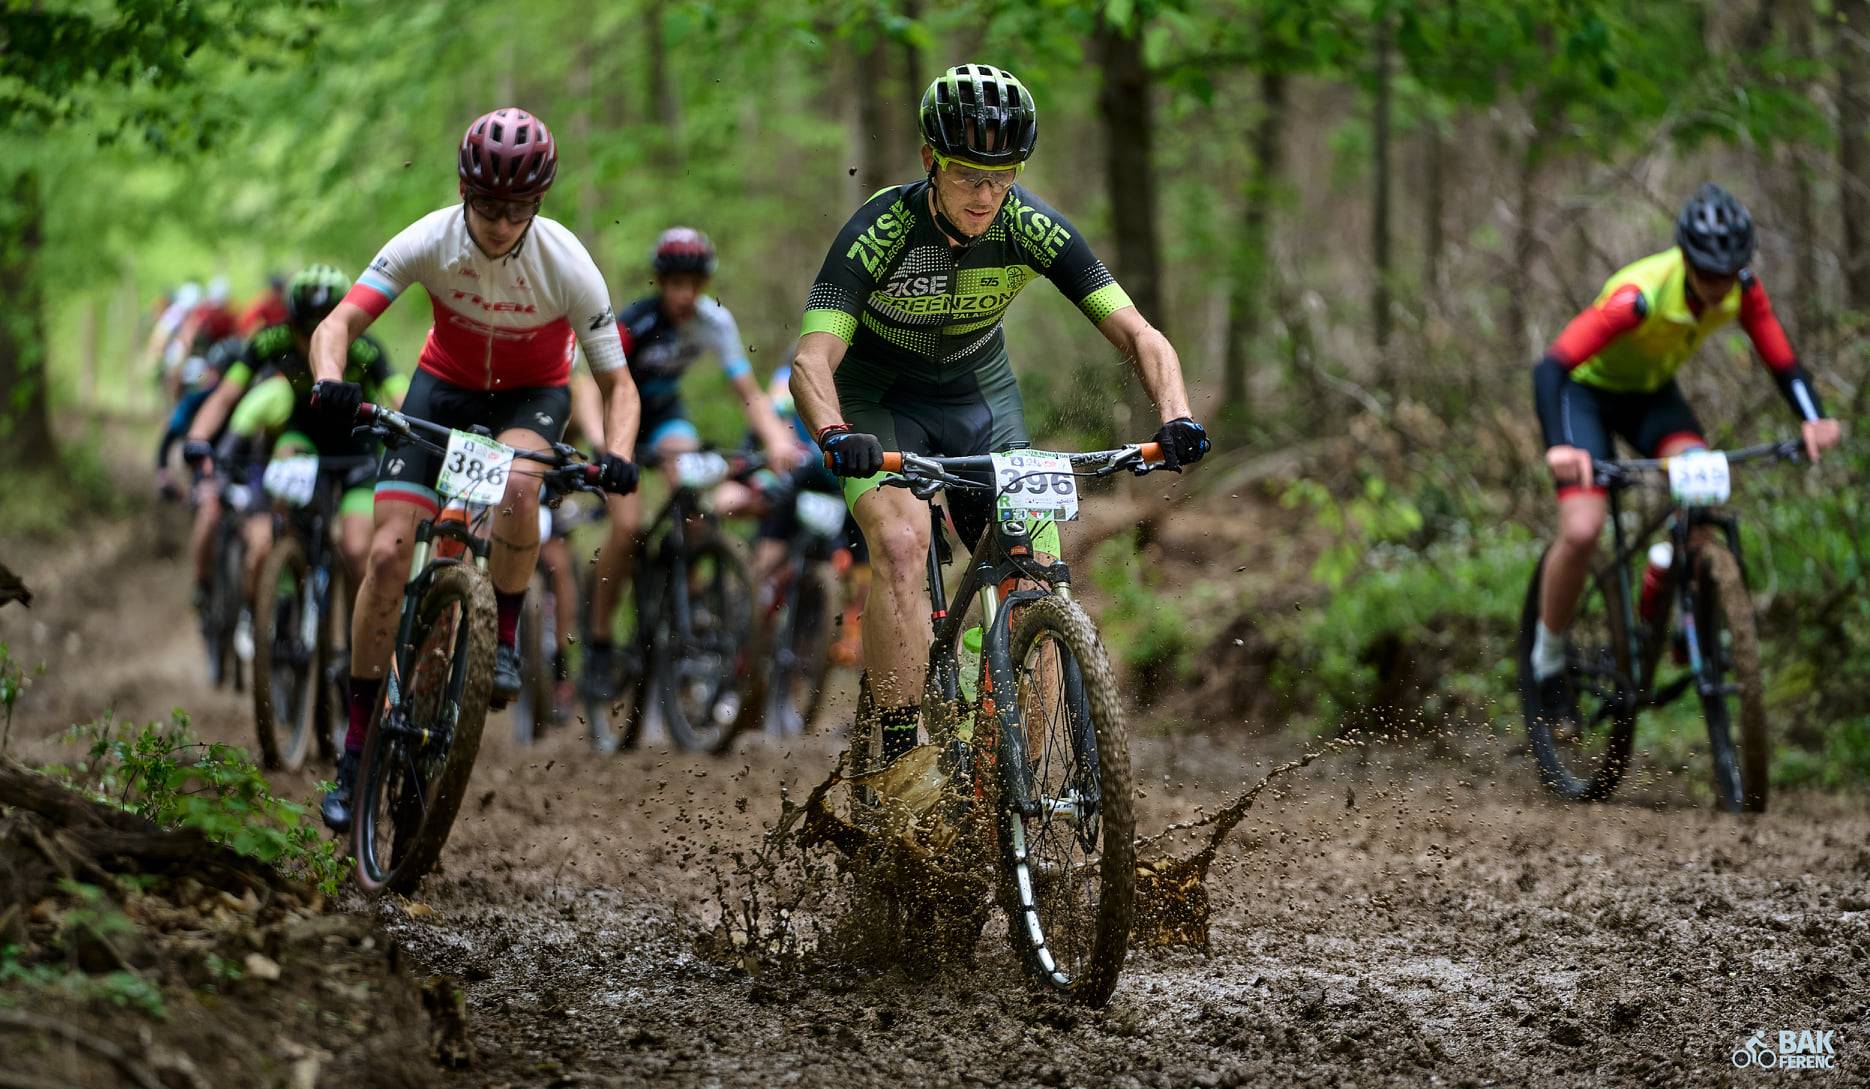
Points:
x=403 y=260
x=727 y=343
x=1058 y=250
x=266 y=407
x=1600 y=323
x=588 y=309
x=1762 y=325
x=852 y=267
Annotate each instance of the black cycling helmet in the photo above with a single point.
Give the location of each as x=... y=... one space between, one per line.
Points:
x=981 y=114
x=683 y=249
x=313 y=294
x=1715 y=232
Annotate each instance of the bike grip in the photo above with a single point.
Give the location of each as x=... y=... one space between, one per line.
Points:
x=892 y=461
x=1151 y=451
x=366 y=411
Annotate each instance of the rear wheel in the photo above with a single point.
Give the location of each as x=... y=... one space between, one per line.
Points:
x=331 y=705
x=700 y=672
x=535 y=713
x=1068 y=853
x=1729 y=685
x=1583 y=760
x=286 y=624
x=221 y=614
x=416 y=765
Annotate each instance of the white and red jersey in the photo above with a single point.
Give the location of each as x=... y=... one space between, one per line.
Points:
x=510 y=322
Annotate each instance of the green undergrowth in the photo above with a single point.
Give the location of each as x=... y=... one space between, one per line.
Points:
x=45 y=499
x=162 y=772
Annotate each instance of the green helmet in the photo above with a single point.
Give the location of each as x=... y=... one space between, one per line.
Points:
x=313 y=294
x=981 y=114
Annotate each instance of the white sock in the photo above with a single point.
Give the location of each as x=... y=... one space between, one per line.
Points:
x=1548 y=651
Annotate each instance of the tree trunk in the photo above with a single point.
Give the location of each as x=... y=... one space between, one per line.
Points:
x=875 y=146
x=1434 y=208
x=664 y=109
x=1525 y=243
x=1853 y=66
x=1252 y=261
x=912 y=56
x=580 y=84
x=25 y=407
x=1380 y=200
x=1124 y=109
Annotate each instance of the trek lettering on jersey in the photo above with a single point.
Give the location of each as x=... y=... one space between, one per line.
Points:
x=499 y=307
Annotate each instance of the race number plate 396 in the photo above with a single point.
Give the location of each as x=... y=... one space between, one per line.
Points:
x=1035 y=484
x=1699 y=478
x=474 y=469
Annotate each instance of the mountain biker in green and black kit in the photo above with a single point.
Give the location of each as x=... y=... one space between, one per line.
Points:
x=1612 y=371
x=903 y=349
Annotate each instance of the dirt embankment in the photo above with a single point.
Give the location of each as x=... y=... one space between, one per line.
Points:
x=1401 y=915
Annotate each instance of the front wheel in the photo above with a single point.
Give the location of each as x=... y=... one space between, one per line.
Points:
x=537 y=710
x=1066 y=824
x=1583 y=759
x=1729 y=681
x=286 y=627
x=700 y=666
x=421 y=748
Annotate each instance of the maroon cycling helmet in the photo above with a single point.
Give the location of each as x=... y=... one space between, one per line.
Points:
x=509 y=155
x=683 y=249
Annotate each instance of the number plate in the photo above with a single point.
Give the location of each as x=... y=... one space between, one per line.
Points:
x=1699 y=478
x=291 y=480
x=822 y=514
x=1035 y=484
x=700 y=470
x=474 y=469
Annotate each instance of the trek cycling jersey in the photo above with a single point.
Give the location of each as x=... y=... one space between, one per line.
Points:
x=500 y=323
x=1645 y=325
x=903 y=298
x=660 y=351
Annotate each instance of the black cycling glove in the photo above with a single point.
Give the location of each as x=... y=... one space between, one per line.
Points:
x=852 y=453
x=337 y=401
x=196 y=451
x=617 y=475
x=1183 y=442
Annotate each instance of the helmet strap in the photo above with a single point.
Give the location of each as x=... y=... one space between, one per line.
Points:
x=963 y=240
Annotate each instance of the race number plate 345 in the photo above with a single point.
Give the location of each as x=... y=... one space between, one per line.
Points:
x=1699 y=478
x=1035 y=484
x=474 y=469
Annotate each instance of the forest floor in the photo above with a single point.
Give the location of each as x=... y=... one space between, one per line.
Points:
x=1408 y=914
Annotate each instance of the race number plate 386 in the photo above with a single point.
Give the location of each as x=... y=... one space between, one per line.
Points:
x=474 y=469
x=1035 y=484
x=1699 y=478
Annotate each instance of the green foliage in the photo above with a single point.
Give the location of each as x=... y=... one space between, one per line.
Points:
x=161 y=772
x=1363 y=524
x=1150 y=626
x=91 y=919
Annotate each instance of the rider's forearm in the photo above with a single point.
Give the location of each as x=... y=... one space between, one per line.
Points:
x=623 y=411
x=331 y=341
x=814 y=393
x=1161 y=372
x=1795 y=385
x=1548 y=393
x=213 y=413
x=587 y=408
x=759 y=412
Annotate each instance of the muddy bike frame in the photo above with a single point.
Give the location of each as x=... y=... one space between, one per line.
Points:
x=1633 y=694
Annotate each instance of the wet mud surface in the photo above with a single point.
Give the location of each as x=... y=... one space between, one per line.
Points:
x=1395 y=915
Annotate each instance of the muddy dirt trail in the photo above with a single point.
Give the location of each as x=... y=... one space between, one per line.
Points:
x=1387 y=916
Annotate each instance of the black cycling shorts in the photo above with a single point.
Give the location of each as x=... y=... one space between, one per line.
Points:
x=407 y=472
x=1589 y=417
x=976 y=412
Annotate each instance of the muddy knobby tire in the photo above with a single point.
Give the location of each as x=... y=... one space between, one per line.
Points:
x=1721 y=593
x=286 y=559
x=467 y=587
x=534 y=713
x=1563 y=768
x=728 y=586
x=1067 y=624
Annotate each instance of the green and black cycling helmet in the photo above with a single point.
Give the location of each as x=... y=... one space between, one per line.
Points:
x=1715 y=232
x=981 y=114
x=313 y=294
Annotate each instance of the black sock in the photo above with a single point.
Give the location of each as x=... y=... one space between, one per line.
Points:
x=899 y=729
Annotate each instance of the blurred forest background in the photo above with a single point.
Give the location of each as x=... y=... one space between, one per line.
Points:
x=1359 y=221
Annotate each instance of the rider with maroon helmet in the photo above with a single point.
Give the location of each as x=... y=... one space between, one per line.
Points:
x=514 y=295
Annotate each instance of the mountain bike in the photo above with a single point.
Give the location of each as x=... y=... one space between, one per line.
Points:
x=1615 y=653
x=1038 y=746
x=686 y=660
x=540 y=708
x=426 y=729
x=300 y=640
x=798 y=609
x=226 y=596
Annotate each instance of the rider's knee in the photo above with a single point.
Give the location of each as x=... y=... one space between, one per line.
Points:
x=1580 y=528
x=390 y=546
x=901 y=547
